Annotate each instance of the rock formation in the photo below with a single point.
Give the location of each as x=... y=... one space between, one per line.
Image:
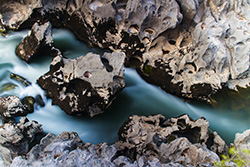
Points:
x=38 y=42
x=15 y=139
x=85 y=85
x=190 y=48
x=150 y=141
x=11 y=106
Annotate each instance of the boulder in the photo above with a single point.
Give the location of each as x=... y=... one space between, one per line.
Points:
x=11 y=106
x=13 y=13
x=155 y=137
x=38 y=42
x=16 y=137
x=199 y=61
x=147 y=142
x=85 y=85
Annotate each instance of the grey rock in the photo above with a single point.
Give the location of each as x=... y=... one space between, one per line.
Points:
x=14 y=13
x=11 y=106
x=143 y=141
x=198 y=61
x=15 y=138
x=85 y=85
x=153 y=136
x=242 y=145
x=38 y=41
x=189 y=48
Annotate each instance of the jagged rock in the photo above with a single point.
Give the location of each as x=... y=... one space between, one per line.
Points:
x=16 y=137
x=39 y=41
x=143 y=141
x=152 y=136
x=67 y=149
x=85 y=85
x=197 y=62
x=14 y=13
x=242 y=145
x=189 y=48
x=11 y=106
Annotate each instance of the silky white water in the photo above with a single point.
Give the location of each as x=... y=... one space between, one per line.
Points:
x=138 y=97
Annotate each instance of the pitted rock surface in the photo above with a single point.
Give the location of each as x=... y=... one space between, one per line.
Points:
x=146 y=142
x=38 y=42
x=16 y=137
x=11 y=106
x=85 y=85
x=153 y=136
x=189 y=48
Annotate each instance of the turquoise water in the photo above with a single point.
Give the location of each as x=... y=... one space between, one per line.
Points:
x=138 y=97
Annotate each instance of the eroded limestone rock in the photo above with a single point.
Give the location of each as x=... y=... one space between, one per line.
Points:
x=16 y=137
x=190 y=48
x=38 y=42
x=143 y=143
x=85 y=85
x=176 y=140
x=11 y=106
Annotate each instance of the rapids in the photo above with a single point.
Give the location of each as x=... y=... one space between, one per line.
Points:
x=138 y=97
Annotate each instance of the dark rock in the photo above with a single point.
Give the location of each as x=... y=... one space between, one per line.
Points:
x=29 y=102
x=11 y=106
x=16 y=137
x=39 y=41
x=20 y=79
x=39 y=100
x=85 y=85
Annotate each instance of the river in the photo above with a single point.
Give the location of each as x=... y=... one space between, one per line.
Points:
x=138 y=97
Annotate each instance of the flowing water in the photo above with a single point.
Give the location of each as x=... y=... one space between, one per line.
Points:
x=138 y=97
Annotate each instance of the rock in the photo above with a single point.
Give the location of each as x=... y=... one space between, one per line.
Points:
x=85 y=85
x=14 y=13
x=143 y=141
x=67 y=149
x=242 y=145
x=16 y=137
x=38 y=42
x=20 y=79
x=11 y=106
x=198 y=61
x=29 y=102
x=189 y=48
x=153 y=136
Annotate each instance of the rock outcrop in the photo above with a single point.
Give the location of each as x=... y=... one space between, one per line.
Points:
x=38 y=42
x=176 y=140
x=15 y=139
x=149 y=141
x=85 y=85
x=189 y=48
x=11 y=106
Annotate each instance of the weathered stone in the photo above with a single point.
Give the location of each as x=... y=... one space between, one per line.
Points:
x=39 y=41
x=145 y=135
x=13 y=13
x=242 y=145
x=198 y=61
x=189 y=48
x=16 y=137
x=85 y=85
x=11 y=106
x=67 y=149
